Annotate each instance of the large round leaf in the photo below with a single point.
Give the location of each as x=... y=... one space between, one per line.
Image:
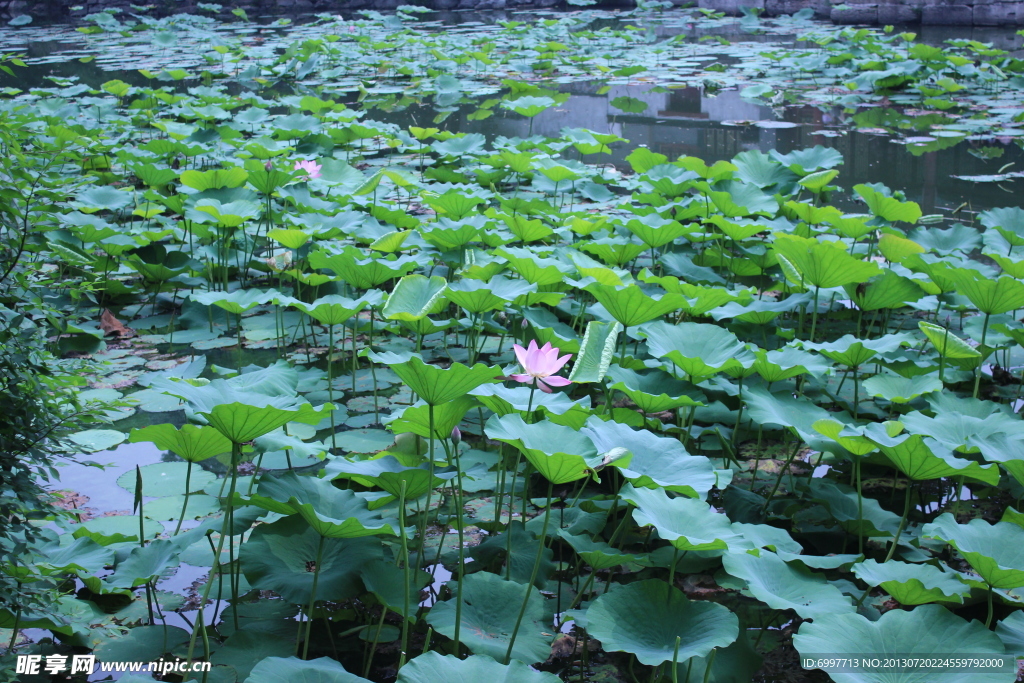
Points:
x=686 y=523
x=244 y=648
x=434 y=668
x=433 y=384
x=560 y=453
x=657 y=462
x=996 y=551
x=92 y=440
x=647 y=617
x=295 y=670
x=782 y=586
x=928 y=630
x=281 y=557
x=330 y=511
x=912 y=584
x=490 y=606
x=142 y=644
x=699 y=350
x=189 y=442
x=166 y=479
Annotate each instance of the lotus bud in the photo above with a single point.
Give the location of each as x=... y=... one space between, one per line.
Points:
x=525 y=324
x=268 y=166
x=456 y=436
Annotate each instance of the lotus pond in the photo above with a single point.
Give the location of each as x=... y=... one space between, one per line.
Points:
x=586 y=346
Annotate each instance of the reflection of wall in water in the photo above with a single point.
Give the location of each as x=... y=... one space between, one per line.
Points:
x=686 y=121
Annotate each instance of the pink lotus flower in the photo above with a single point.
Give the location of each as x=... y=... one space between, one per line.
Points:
x=540 y=365
x=311 y=168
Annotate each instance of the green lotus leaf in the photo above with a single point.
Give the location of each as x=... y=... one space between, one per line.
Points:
x=92 y=440
x=852 y=352
x=506 y=400
x=295 y=670
x=782 y=586
x=449 y=235
x=630 y=105
x=278 y=556
x=823 y=264
x=643 y=160
x=615 y=251
x=781 y=364
x=388 y=473
x=531 y=267
x=757 y=168
x=842 y=503
x=150 y=642
x=990 y=295
x=944 y=242
x=651 y=619
x=215 y=179
x=243 y=649
x=912 y=584
x=433 y=384
x=82 y=554
x=560 y=453
x=640 y=387
x=1011 y=631
x=686 y=523
x=238 y=301
x=189 y=442
x=888 y=208
x=335 y=310
x=477 y=297
x=742 y=199
x=886 y=291
x=387 y=582
x=453 y=204
x=995 y=551
x=330 y=511
x=227 y=215
x=144 y=564
x=655 y=231
x=809 y=160
x=490 y=606
x=595 y=352
x=922 y=457
x=598 y=554
x=925 y=631
x=657 y=462
x=782 y=408
x=900 y=389
x=631 y=306
x=946 y=343
x=699 y=350
x=362 y=273
x=416 y=418
x=414 y=297
x=167 y=478
x=850 y=438
x=740 y=228
x=431 y=667
x=1009 y=222
x=815 y=182
x=99 y=197
x=720 y=169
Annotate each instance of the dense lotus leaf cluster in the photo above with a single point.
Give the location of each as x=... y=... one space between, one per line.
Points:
x=765 y=402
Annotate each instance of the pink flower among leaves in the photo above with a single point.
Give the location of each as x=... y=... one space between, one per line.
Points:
x=311 y=168
x=540 y=365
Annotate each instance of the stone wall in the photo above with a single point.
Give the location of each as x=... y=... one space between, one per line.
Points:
x=928 y=12
x=931 y=12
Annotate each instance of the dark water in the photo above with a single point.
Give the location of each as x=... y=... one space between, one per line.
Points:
x=681 y=121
